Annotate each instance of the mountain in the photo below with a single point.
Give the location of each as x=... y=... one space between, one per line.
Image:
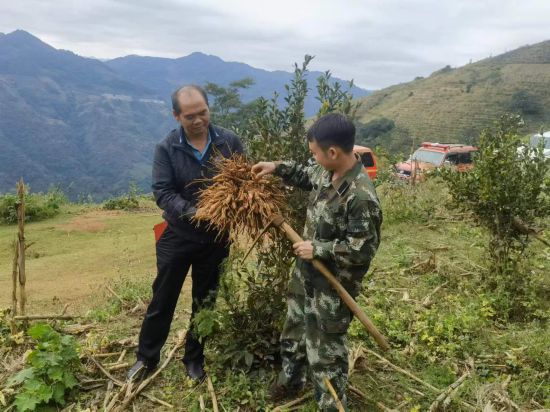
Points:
x=72 y=121
x=455 y=104
x=165 y=75
x=89 y=126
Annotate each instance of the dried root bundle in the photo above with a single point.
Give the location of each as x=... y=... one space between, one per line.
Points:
x=236 y=203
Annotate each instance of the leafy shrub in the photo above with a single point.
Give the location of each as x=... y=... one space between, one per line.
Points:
x=38 y=206
x=371 y=133
x=50 y=371
x=246 y=323
x=524 y=102
x=128 y=201
x=506 y=191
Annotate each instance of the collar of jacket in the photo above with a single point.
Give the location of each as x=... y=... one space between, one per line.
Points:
x=215 y=138
x=345 y=181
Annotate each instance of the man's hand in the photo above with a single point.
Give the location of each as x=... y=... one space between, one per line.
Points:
x=304 y=250
x=263 y=168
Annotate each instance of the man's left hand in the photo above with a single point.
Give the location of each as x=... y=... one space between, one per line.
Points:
x=304 y=250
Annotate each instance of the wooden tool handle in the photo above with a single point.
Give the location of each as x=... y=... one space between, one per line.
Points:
x=346 y=297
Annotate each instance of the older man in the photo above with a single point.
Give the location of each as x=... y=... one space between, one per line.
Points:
x=182 y=161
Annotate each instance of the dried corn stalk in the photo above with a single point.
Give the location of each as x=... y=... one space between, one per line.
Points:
x=236 y=203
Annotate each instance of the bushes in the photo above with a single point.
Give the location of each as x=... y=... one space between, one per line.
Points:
x=504 y=188
x=128 y=201
x=38 y=206
x=402 y=202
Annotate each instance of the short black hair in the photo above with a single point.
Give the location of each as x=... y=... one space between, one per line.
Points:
x=175 y=102
x=333 y=129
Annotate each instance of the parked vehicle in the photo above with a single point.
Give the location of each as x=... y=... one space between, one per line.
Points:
x=433 y=155
x=368 y=159
x=535 y=141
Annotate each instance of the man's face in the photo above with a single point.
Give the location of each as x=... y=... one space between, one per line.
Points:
x=194 y=116
x=326 y=158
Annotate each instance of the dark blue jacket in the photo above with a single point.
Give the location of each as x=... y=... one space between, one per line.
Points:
x=177 y=175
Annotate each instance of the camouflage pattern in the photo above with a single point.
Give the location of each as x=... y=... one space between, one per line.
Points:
x=343 y=222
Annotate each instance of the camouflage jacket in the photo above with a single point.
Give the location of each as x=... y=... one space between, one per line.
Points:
x=343 y=219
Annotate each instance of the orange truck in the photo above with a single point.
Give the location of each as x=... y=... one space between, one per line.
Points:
x=433 y=155
x=368 y=159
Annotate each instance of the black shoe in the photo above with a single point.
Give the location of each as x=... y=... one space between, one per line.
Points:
x=139 y=371
x=278 y=392
x=195 y=370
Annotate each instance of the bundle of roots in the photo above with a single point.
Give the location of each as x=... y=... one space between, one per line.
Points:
x=237 y=203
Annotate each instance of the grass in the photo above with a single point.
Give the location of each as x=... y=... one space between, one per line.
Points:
x=73 y=254
x=426 y=251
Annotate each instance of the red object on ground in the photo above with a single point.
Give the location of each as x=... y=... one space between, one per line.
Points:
x=159 y=229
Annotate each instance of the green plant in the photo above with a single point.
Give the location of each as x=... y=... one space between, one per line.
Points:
x=129 y=201
x=252 y=301
x=50 y=371
x=507 y=191
x=525 y=103
x=38 y=206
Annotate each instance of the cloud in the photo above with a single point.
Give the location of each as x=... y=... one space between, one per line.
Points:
x=378 y=43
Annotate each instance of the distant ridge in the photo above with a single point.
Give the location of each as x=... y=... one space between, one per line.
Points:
x=91 y=126
x=164 y=75
x=455 y=104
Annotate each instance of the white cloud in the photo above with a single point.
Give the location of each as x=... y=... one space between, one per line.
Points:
x=376 y=42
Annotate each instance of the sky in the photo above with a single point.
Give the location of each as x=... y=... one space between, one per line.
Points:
x=377 y=43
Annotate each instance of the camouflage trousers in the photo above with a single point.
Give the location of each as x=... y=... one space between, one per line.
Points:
x=315 y=335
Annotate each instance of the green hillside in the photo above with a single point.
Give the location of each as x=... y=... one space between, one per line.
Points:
x=455 y=104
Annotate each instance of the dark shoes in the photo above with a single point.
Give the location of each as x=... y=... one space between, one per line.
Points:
x=139 y=371
x=195 y=370
x=278 y=392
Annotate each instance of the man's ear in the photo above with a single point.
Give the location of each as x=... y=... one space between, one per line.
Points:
x=175 y=115
x=332 y=152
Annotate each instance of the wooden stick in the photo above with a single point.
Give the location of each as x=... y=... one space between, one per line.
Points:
x=212 y=394
x=526 y=230
x=122 y=355
x=64 y=309
x=413 y=377
x=21 y=244
x=106 y=355
x=114 y=294
x=403 y=371
x=39 y=317
x=14 y=277
x=201 y=403
x=128 y=399
x=426 y=302
x=334 y=395
x=436 y=404
x=105 y=372
x=118 y=366
x=346 y=297
x=384 y=408
x=292 y=403
x=107 y=394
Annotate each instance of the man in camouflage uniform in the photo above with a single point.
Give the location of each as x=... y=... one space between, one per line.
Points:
x=342 y=230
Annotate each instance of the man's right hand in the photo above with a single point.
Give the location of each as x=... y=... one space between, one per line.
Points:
x=263 y=168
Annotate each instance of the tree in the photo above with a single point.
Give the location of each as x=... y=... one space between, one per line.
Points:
x=227 y=108
x=246 y=324
x=507 y=191
x=523 y=102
